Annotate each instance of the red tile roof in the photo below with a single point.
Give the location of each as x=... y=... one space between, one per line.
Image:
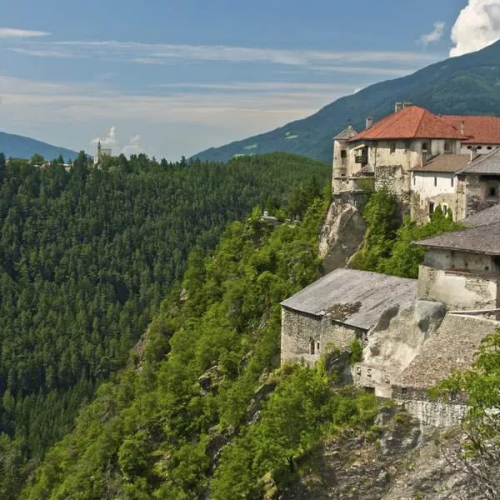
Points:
x=478 y=129
x=411 y=122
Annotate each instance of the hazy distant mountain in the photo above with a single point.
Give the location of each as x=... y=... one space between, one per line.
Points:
x=464 y=85
x=17 y=146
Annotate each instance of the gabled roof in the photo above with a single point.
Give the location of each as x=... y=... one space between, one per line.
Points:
x=484 y=164
x=411 y=122
x=355 y=298
x=480 y=239
x=446 y=351
x=478 y=129
x=483 y=218
x=444 y=163
x=346 y=134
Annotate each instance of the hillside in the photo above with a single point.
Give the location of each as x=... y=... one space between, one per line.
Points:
x=87 y=257
x=18 y=146
x=462 y=85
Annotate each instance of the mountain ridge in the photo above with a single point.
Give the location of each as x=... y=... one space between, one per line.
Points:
x=468 y=84
x=19 y=146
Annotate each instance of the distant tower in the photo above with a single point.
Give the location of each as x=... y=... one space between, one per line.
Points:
x=97 y=157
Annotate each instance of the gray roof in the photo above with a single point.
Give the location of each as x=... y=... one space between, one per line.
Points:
x=451 y=348
x=444 y=163
x=483 y=218
x=355 y=298
x=346 y=134
x=484 y=164
x=480 y=239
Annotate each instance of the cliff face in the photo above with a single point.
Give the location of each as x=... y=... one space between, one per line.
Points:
x=395 y=460
x=341 y=235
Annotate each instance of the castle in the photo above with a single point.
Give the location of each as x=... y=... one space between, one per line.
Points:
x=426 y=159
x=414 y=332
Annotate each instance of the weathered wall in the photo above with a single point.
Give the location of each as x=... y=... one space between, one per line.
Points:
x=446 y=259
x=432 y=413
x=480 y=149
x=300 y=332
x=477 y=193
x=394 y=343
x=341 y=235
x=457 y=289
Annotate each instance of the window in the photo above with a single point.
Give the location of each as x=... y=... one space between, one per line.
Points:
x=469 y=147
x=414 y=179
x=493 y=192
x=407 y=145
x=425 y=146
x=318 y=347
x=435 y=181
x=311 y=346
x=452 y=181
x=489 y=147
x=392 y=146
x=431 y=207
x=343 y=154
x=445 y=208
x=480 y=147
x=447 y=146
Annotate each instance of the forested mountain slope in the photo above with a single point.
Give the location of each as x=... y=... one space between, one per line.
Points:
x=462 y=85
x=202 y=381
x=18 y=146
x=86 y=258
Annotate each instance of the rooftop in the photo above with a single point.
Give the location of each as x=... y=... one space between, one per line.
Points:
x=480 y=239
x=444 y=163
x=478 y=129
x=411 y=122
x=452 y=348
x=483 y=218
x=484 y=164
x=355 y=298
x=346 y=134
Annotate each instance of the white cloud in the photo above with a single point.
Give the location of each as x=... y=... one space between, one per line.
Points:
x=16 y=33
x=477 y=26
x=108 y=141
x=161 y=54
x=134 y=146
x=435 y=35
x=43 y=53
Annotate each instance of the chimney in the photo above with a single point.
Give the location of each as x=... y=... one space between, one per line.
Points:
x=462 y=127
x=369 y=122
x=398 y=107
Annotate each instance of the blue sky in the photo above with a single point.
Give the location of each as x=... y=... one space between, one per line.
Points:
x=171 y=78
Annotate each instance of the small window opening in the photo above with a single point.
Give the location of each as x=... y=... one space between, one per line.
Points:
x=489 y=147
x=493 y=192
x=447 y=146
x=425 y=146
x=431 y=207
x=317 y=346
x=343 y=154
x=480 y=147
x=445 y=208
x=469 y=147
x=404 y=391
x=452 y=181
x=435 y=181
x=407 y=145
x=393 y=147
x=312 y=345
x=414 y=180
x=486 y=268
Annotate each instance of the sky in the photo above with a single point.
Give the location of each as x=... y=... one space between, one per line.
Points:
x=172 y=78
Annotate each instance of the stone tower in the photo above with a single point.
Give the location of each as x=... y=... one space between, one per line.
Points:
x=341 y=152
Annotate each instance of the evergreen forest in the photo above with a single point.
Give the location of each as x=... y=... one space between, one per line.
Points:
x=87 y=257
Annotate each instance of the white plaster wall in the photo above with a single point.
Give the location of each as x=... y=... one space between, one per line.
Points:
x=485 y=149
x=431 y=184
x=457 y=291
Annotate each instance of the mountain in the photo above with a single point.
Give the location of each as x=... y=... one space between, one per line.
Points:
x=17 y=146
x=469 y=84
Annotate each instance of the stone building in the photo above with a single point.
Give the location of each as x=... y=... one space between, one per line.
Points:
x=426 y=159
x=337 y=309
